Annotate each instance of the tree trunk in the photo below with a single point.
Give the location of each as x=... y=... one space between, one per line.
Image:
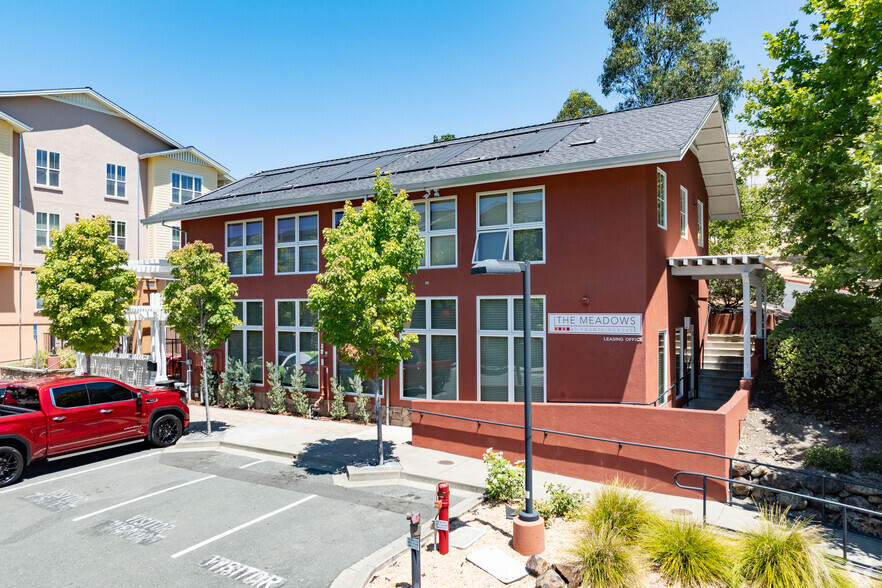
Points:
x=89 y=364
x=378 y=404
x=204 y=386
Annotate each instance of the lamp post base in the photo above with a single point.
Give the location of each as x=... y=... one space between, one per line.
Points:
x=528 y=537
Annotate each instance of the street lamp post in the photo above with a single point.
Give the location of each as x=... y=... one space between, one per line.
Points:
x=528 y=515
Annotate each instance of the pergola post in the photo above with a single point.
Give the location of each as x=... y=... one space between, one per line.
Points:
x=745 y=282
x=761 y=318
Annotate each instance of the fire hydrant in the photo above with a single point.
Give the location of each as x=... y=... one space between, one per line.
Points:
x=442 y=523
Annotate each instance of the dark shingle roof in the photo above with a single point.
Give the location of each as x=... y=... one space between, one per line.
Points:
x=645 y=135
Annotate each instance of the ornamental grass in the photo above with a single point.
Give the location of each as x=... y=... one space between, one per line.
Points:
x=688 y=553
x=607 y=559
x=620 y=507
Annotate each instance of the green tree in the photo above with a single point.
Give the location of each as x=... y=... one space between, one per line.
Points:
x=577 y=105
x=85 y=289
x=199 y=302
x=365 y=296
x=444 y=137
x=658 y=54
x=817 y=122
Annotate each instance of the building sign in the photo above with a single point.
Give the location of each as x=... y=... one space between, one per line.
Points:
x=612 y=323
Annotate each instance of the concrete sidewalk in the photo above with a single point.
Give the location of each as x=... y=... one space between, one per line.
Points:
x=346 y=449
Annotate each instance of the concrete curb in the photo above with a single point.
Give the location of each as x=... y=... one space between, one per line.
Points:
x=360 y=573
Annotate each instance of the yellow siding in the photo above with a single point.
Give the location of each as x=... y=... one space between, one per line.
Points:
x=6 y=194
x=159 y=171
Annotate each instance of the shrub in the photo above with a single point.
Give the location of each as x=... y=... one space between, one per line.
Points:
x=560 y=502
x=832 y=459
x=780 y=553
x=298 y=393
x=226 y=390
x=242 y=385
x=855 y=435
x=505 y=480
x=619 y=506
x=361 y=412
x=687 y=553
x=828 y=356
x=606 y=558
x=338 y=405
x=276 y=393
x=872 y=463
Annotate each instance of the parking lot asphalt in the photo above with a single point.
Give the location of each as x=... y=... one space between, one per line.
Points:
x=143 y=517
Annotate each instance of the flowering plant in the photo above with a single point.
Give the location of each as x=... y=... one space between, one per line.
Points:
x=505 y=480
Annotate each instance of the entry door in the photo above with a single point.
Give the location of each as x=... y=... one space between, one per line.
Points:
x=73 y=422
x=678 y=361
x=119 y=412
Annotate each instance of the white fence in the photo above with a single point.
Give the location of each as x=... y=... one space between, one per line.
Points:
x=126 y=367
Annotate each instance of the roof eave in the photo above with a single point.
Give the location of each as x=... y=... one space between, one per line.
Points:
x=211 y=162
x=17 y=125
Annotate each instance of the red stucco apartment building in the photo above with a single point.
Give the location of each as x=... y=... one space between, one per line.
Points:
x=601 y=206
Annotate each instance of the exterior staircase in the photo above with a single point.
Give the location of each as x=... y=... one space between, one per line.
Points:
x=721 y=371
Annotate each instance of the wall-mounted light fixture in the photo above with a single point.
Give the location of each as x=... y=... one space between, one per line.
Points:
x=427 y=194
x=437 y=194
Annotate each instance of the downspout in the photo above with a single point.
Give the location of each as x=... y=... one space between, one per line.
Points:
x=138 y=211
x=19 y=246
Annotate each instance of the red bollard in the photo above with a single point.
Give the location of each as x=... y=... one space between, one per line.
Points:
x=442 y=523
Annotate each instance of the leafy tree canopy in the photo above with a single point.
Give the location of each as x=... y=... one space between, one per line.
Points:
x=658 y=54
x=364 y=297
x=817 y=118
x=444 y=137
x=85 y=289
x=579 y=104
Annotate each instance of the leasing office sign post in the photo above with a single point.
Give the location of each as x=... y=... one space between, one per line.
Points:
x=613 y=323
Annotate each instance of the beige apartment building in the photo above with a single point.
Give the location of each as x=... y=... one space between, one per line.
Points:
x=71 y=154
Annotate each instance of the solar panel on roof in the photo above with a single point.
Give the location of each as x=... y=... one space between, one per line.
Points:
x=440 y=156
x=367 y=167
x=543 y=140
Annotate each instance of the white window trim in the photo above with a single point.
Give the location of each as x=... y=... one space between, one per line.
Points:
x=510 y=226
x=38 y=302
x=48 y=229
x=298 y=329
x=244 y=248
x=116 y=182
x=334 y=215
x=511 y=334
x=176 y=240
x=684 y=213
x=296 y=245
x=428 y=233
x=700 y=214
x=428 y=332
x=48 y=168
x=245 y=328
x=667 y=375
x=664 y=199
x=171 y=194
x=113 y=237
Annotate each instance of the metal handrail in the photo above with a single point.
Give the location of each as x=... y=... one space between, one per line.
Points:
x=621 y=443
x=824 y=501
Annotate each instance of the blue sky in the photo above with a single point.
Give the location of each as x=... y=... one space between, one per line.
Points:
x=264 y=84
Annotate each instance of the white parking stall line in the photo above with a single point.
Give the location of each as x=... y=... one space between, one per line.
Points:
x=108 y=465
x=248 y=465
x=242 y=526
x=97 y=512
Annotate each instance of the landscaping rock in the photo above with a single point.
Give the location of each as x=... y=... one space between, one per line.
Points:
x=862 y=490
x=831 y=507
x=741 y=489
x=741 y=469
x=832 y=486
x=858 y=501
x=759 y=471
x=537 y=565
x=550 y=579
x=782 y=481
x=571 y=574
x=875 y=500
x=868 y=525
x=794 y=503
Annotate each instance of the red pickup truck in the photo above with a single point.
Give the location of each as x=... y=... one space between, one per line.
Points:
x=49 y=416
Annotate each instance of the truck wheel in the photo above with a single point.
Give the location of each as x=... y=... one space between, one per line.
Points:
x=11 y=465
x=166 y=430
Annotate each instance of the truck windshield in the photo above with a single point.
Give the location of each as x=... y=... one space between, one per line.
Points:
x=24 y=397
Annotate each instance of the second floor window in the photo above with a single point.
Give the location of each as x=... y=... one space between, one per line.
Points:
x=297 y=245
x=438 y=228
x=46 y=221
x=48 y=168
x=661 y=198
x=511 y=225
x=116 y=180
x=700 y=214
x=118 y=233
x=185 y=187
x=684 y=212
x=176 y=239
x=245 y=248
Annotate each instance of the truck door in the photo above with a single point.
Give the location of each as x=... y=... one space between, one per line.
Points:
x=119 y=412
x=73 y=421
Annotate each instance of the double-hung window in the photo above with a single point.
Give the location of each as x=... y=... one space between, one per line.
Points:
x=438 y=228
x=684 y=212
x=297 y=341
x=175 y=238
x=430 y=372
x=297 y=244
x=501 y=348
x=48 y=168
x=185 y=187
x=700 y=213
x=661 y=198
x=117 y=233
x=245 y=248
x=116 y=180
x=46 y=222
x=246 y=341
x=511 y=225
